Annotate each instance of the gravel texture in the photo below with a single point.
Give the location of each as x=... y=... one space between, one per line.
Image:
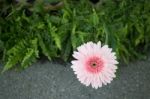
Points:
x=55 y=81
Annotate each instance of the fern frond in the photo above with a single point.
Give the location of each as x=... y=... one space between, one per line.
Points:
x=31 y=54
x=54 y=34
x=15 y=54
x=29 y=58
x=25 y=52
x=42 y=45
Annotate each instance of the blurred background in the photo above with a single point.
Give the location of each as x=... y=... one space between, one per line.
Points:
x=31 y=29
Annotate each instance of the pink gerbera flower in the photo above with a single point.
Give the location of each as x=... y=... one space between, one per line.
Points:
x=94 y=64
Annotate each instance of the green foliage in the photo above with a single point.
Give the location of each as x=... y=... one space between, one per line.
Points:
x=23 y=53
x=26 y=33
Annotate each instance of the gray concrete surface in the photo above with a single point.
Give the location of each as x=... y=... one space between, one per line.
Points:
x=54 y=81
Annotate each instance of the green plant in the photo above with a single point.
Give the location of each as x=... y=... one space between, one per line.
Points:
x=27 y=33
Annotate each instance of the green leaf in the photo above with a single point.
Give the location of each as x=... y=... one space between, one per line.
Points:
x=94 y=18
x=15 y=55
x=12 y=61
x=44 y=48
x=54 y=34
x=107 y=32
x=31 y=54
x=1 y=45
x=67 y=50
x=28 y=58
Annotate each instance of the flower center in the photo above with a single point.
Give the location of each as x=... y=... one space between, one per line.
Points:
x=94 y=64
